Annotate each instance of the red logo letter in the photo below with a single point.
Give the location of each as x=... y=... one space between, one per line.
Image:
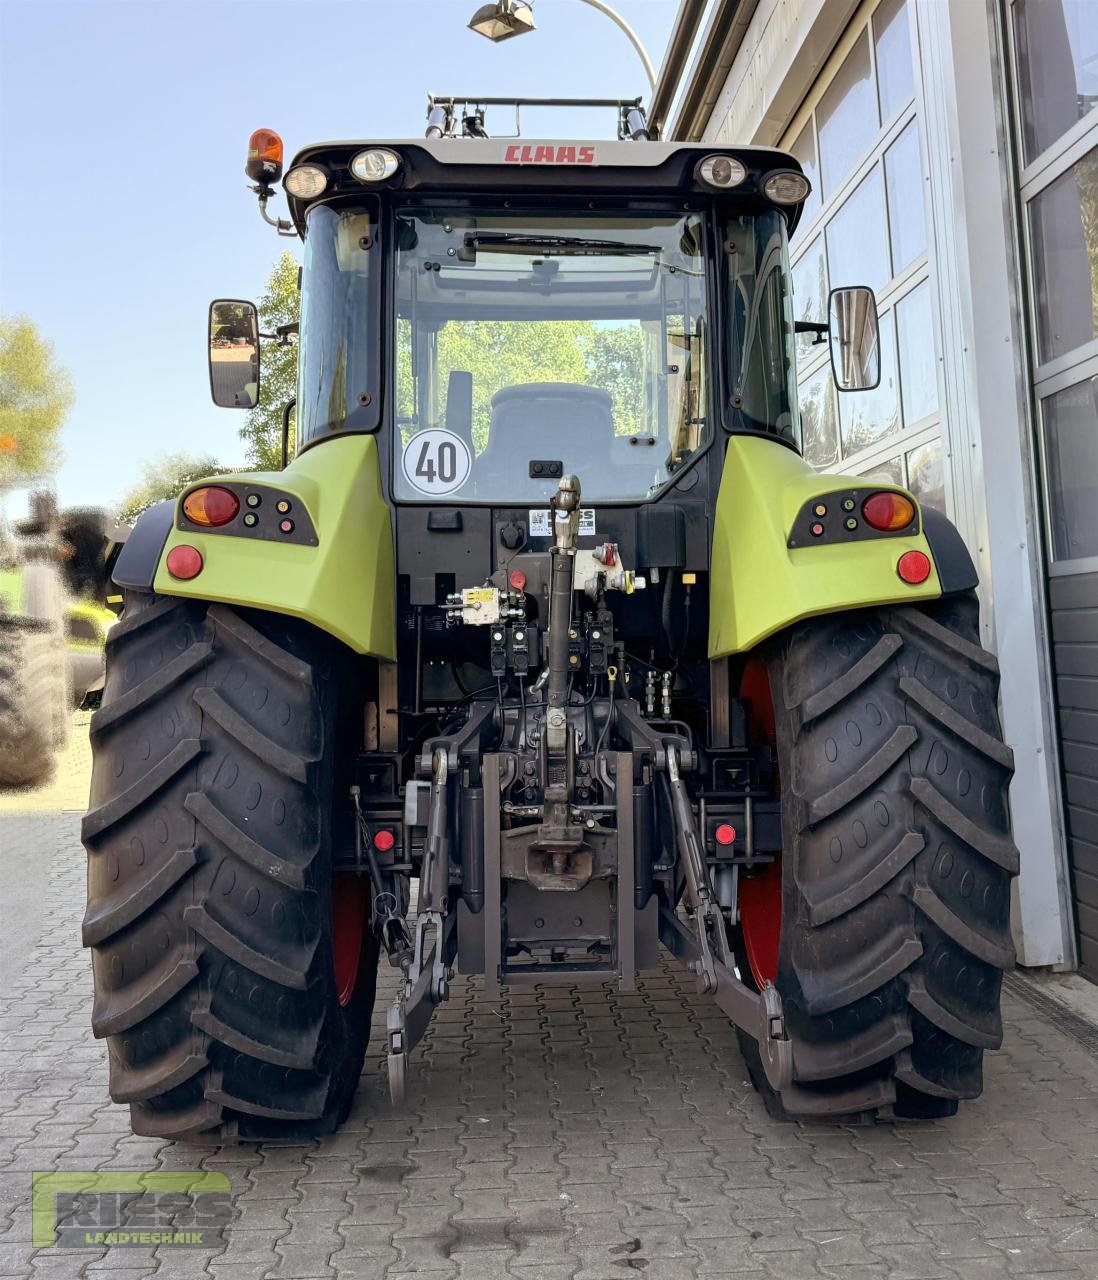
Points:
x=511 y=155
x=587 y=155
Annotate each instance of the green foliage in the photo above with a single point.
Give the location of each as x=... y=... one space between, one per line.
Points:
x=167 y=477
x=35 y=396
x=262 y=432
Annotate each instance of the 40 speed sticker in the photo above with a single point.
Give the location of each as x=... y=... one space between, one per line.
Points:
x=436 y=462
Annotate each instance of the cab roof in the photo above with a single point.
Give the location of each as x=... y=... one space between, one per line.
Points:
x=460 y=167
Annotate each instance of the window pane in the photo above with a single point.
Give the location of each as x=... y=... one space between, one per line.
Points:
x=1070 y=422
x=810 y=295
x=906 y=215
x=857 y=252
x=890 y=471
x=1057 y=67
x=918 y=362
x=804 y=150
x=1064 y=227
x=847 y=117
x=895 y=79
x=926 y=475
x=819 y=421
x=869 y=416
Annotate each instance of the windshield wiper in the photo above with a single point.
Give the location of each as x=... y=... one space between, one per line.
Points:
x=517 y=242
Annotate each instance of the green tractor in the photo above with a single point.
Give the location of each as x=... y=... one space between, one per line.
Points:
x=548 y=629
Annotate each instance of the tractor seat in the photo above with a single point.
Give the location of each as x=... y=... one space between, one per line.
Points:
x=562 y=421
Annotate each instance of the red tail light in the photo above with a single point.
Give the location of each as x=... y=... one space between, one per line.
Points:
x=211 y=505
x=888 y=511
x=184 y=562
x=914 y=567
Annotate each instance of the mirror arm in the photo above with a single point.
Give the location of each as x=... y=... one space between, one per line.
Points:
x=812 y=326
x=264 y=193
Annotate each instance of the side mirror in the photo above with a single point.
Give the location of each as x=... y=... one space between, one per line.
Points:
x=855 y=338
x=234 y=354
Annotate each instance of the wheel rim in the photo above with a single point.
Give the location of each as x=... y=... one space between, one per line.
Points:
x=350 y=902
x=760 y=895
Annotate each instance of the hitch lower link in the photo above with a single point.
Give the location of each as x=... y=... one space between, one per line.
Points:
x=706 y=950
x=426 y=977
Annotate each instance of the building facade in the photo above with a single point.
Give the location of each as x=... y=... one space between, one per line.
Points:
x=952 y=147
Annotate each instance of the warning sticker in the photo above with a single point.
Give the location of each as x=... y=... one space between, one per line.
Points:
x=541 y=522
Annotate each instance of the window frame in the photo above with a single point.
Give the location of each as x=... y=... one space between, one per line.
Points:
x=913 y=435
x=1078 y=365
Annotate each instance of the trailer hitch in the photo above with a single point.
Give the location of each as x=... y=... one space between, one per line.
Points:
x=426 y=980
x=706 y=950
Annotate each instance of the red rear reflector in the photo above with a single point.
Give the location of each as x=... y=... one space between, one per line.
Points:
x=725 y=834
x=384 y=841
x=184 y=562
x=211 y=505
x=914 y=567
x=517 y=580
x=888 y=511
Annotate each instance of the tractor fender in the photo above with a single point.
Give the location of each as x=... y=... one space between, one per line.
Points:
x=342 y=581
x=139 y=557
x=764 y=579
x=956 y=572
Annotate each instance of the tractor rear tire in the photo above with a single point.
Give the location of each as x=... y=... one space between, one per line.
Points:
x=897 y=863
x=29 y=656
x=210 y=887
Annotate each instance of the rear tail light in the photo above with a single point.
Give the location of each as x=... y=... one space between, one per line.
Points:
x=888 y=511
x=184 y=562
x=725 y=834
x=914 y=567
x=211 y=505
x=384 y=840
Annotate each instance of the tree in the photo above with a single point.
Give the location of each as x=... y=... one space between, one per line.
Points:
x=35 y=396
x=263 y=430
x=167 y=477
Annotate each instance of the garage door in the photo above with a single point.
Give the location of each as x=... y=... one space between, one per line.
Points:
x=1054 y=60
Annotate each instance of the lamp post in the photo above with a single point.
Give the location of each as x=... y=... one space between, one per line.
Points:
x=506 y=18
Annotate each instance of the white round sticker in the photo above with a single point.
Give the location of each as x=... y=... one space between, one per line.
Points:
x=436 y=462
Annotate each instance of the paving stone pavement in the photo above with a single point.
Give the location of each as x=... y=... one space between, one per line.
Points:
x=558 y=1134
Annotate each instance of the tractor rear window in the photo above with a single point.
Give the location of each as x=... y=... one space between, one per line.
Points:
x=531 y=344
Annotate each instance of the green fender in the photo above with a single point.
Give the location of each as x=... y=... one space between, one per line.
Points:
x=758 y=583
x=345 y=585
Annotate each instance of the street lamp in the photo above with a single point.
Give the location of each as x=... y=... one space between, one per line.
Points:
x=502 y=20
x=506 y=18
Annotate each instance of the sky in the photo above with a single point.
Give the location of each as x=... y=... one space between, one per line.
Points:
x=123 y=131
